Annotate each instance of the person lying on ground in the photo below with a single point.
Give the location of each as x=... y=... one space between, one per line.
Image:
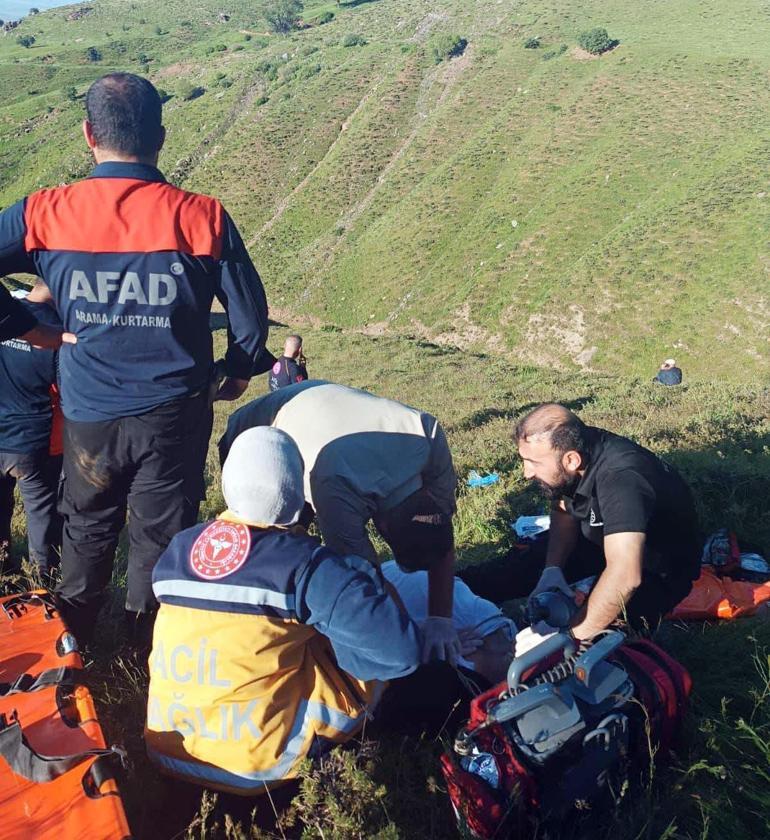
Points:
x=291 y=367
x=370 y=458
x=617 y=511
x=269 y=647
x=30 y=453
x=487 y=634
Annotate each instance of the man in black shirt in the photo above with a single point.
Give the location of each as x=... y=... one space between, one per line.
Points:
x=290 y=368
x=618 y=511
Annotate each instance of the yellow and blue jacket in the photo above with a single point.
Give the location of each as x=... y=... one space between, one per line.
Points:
x=268 y=648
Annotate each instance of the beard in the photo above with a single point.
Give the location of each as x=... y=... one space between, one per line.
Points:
x=564 y=485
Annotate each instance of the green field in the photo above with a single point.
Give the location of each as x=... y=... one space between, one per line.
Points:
x=472 y=237
x=597 y=213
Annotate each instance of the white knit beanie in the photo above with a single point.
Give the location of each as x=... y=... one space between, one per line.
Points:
x=262 y=478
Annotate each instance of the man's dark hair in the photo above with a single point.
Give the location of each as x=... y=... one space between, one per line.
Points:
x=418 y=532
x=125 y=114
x=565 y=430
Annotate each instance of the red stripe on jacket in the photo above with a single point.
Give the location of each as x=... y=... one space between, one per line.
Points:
x=123 y=215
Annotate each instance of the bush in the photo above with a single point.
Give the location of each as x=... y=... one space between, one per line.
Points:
x=283 y=15
x=324 y=17
x=71 y=94
x=187 y=91
x=554 y=53
x=92 y=54
x=443 y=47
x=25 y=41
x=596 y=41
x=531 y=43
x=268 y=70
x=351 y=40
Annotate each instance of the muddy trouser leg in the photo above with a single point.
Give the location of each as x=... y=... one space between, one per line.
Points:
x=516 y=574
x=157 y=508
x=38 y=477
x=93 y=494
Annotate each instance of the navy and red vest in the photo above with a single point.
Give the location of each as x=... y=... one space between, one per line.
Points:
x=133 y=264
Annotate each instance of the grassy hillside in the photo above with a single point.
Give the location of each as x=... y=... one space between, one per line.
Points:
x=573 y=211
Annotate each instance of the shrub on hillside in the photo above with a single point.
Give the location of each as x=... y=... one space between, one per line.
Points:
x=351 y=40
x=92 y=54
x=443 y=47
x=596 y=41
x=554 y=53
x=25 y=41
x=71 y=94
x=531 y=43
x=283 y=15
x=187 y=91
x=324 y=17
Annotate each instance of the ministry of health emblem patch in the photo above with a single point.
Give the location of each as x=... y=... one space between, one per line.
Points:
x=220 y=550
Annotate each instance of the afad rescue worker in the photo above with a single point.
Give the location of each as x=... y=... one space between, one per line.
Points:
x=618 y=511
x=30 y=438
x=18 y=322
x=268 y=647
x=289 y=368
x=370 y=458
x=133 y=264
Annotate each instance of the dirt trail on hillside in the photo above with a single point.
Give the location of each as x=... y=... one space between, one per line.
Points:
x=284 y=203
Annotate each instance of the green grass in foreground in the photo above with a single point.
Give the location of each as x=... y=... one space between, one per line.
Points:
x=718 y=434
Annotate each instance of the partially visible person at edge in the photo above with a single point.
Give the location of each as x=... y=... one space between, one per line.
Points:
x=30 y=438
x=370 y=458
x=133 y=264
x=617 y=511
x=268 y=647
x=669 y=373
x=289 y=368
x=18 y=322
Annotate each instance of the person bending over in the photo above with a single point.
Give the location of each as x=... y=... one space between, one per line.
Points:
x=372 y=459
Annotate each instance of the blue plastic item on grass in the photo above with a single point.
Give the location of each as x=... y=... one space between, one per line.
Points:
x=476 y=480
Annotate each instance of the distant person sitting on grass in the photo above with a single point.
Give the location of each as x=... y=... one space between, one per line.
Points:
x=291 y=367
x=270 y=648
x=669 y=373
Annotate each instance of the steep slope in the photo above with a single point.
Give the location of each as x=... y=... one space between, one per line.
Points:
x=573 y=211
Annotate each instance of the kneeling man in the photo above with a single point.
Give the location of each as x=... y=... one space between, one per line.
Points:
x=268 y=647
x=618 y=511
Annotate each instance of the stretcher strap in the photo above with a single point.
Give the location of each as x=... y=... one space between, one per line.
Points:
x=25 y=683
x=25 y=762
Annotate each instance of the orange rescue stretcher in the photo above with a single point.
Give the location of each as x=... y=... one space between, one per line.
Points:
x=56 y=771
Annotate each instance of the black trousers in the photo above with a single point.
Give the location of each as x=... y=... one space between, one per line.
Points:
x=137 y=465
x=516 y=574
x=37 y=475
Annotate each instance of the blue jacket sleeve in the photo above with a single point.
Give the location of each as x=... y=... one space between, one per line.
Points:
x=371 y=637
x=242 y=295
x=13 y=256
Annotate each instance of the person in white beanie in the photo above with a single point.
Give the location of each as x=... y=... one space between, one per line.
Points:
x=268 y=647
